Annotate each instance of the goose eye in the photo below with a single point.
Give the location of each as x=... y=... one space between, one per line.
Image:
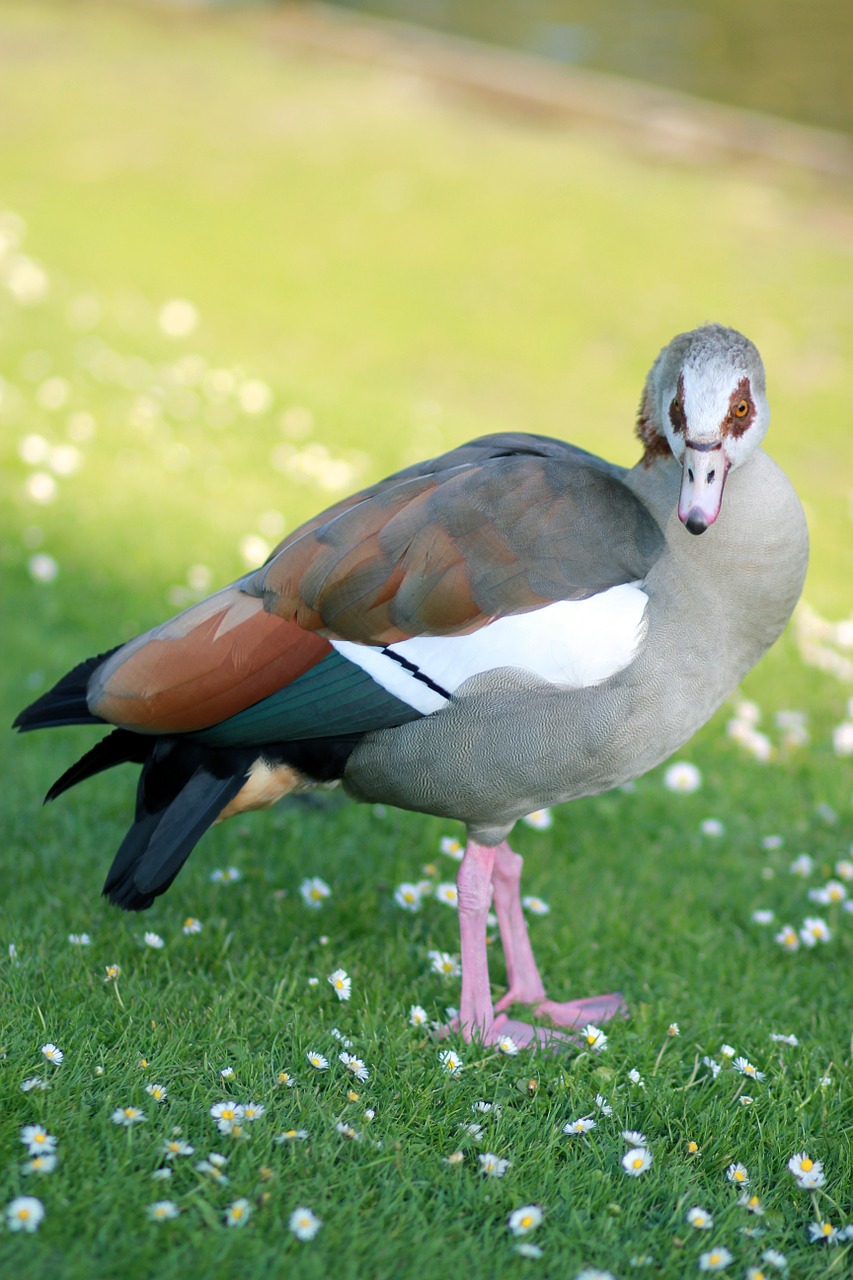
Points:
x=742 y=409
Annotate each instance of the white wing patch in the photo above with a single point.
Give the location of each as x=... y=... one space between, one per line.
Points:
x=571 y=643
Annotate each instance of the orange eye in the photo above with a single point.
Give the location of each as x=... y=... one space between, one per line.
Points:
x=742 y=409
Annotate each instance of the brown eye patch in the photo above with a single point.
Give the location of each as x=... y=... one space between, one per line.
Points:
x=741 y=410
x=676 y=408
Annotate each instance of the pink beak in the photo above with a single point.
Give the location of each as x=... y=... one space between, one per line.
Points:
x=704 y=471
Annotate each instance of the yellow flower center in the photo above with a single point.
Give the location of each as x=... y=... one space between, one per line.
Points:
x=526 y=1221
x=714 y=1258
x=693 y=1147
x=638 y=1162
x=237 y=1211
x=738 y=1176
x=23 y=1214
x=826 y=1228
x=807 y=1164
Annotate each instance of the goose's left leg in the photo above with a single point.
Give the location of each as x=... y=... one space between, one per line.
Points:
x=477 y=1019
x=525 y=983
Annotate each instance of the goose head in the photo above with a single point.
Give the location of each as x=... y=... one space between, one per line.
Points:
x=705 y=403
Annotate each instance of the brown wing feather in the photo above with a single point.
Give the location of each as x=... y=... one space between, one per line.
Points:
x=208 y=663
x=501 y=526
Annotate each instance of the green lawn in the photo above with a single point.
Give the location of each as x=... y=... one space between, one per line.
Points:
x=378 y=275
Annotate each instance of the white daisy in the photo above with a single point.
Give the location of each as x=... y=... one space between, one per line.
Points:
x=636 y=1161
x=253 y=1111
x=493 y=1166
x=37 y=1140
x=191 y=925
x=788 y=938
x=238 y=1213
x=53 y=1054
x=523 y=1221
x=355 y=1065
x=814 y=930
x=783 y=1039
x=227 y=1115
x=745 y=1067
x=635 y=1078
x=317 y=1060
x=154 y=941
x=737 y=1173
x=418 y=1017
x=162 y=1210
x=802 y=1163
x=314 y=891
x=450 y=1061
x=446 y=965
x=225 y=875
x=539 y=820
x=583 y=1125
x=127 y=1116
x=802 y=865
x=682 y=777
x=452 y=847
x=812 y=1181
x=79 y=939
x=823 y=1231
x=603 y=1105
x=304 y=1224
x=700 y=1218
x=213 y=1168
x=34 y=1082
x=342 y=983
x=291 y=1135
x=41 y=1164
x=536 y=906
x=448 y=894
x=594 y=1037
x=24 y=1214
x=173 y=1147
x=715 y=1259
x=408 y=896
x=634 y=1138
x=157 y=1091
x=762 y=915
x=507 y=1045
x=713 y=1067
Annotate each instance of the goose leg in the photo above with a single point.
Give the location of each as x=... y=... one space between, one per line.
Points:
x=525 y=982
x=474 y=886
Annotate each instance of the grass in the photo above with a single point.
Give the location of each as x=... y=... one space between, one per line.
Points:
x=400 y=273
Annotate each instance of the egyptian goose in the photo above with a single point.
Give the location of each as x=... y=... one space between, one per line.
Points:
x=508 y=626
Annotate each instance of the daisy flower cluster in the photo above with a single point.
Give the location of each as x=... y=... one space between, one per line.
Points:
x=834 y=897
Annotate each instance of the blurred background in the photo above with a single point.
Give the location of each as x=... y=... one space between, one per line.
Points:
x=254 y=256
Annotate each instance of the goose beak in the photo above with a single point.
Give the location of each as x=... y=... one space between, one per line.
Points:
x=703 y=475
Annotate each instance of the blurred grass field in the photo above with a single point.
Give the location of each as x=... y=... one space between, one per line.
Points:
x=375 y=275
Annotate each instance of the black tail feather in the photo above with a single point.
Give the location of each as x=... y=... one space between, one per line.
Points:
x=161 y=839
x=66 y=702
x=119 y=747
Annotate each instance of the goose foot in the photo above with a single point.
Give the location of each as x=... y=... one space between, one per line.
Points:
x=576 y=1013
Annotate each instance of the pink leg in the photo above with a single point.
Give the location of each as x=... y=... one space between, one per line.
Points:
x=474 y=885
x=525 y=983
